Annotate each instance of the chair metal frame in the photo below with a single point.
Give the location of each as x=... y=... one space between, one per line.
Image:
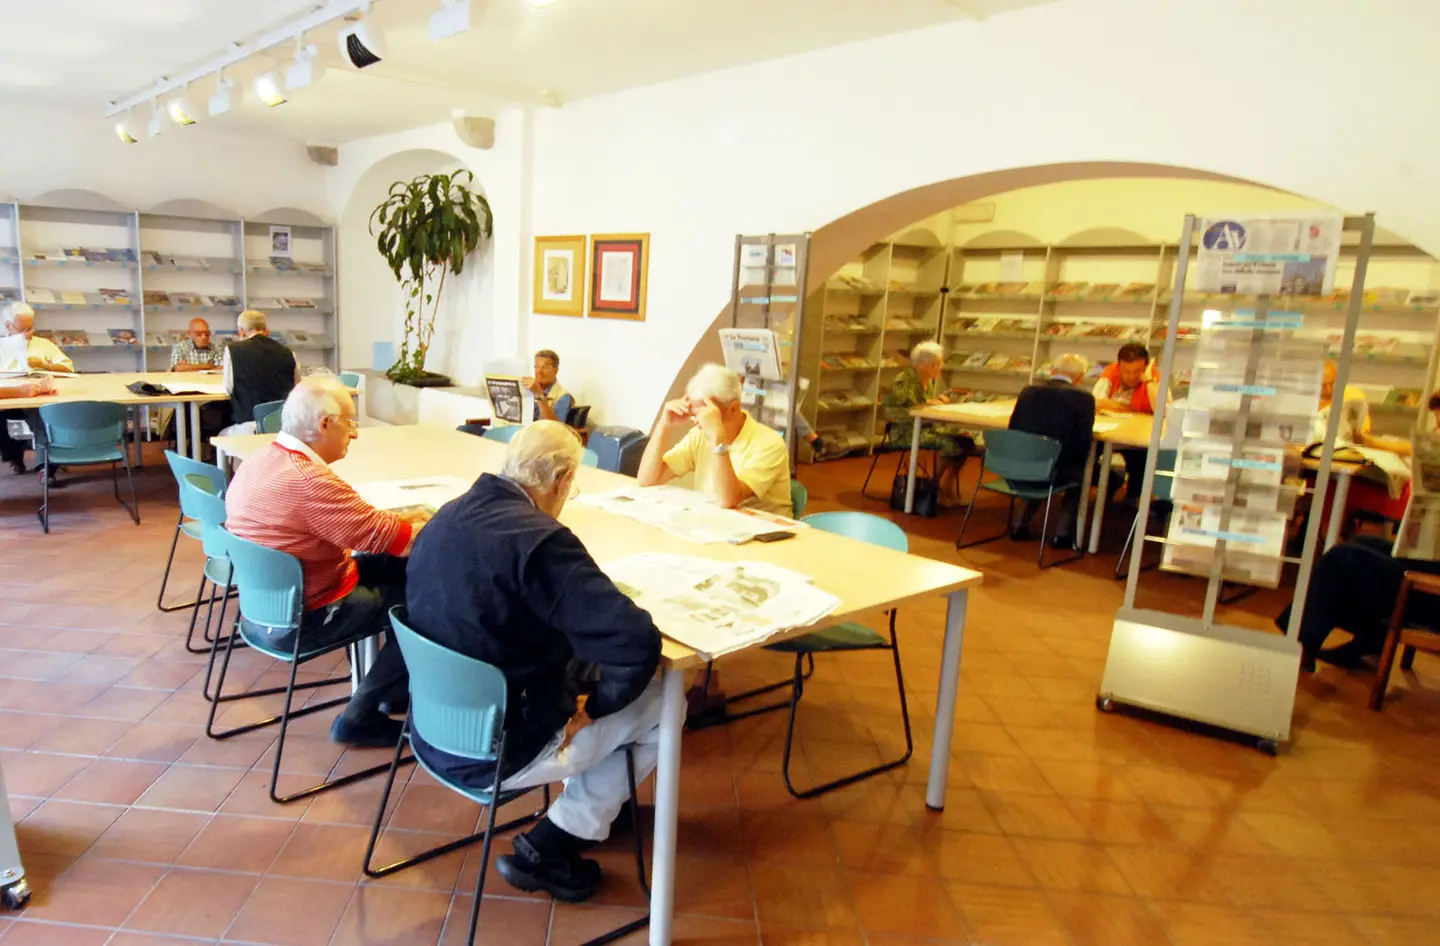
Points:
x=1403 y=636
x=189 y=466
x=887 y=445
x=1052 y=490
x=43 y=454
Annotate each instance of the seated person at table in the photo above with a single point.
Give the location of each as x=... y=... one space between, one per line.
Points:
x=1355 y=410
x=194 y=352
x=286 y=497
x=552 y=402
x=12 y=451
x=497 y=577
x=1058 y=409
x=1129 y=385
x=737 y=459
x=43 y=354
x=258 y=369
x=918 y=385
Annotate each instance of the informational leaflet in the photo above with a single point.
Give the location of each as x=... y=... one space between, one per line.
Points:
x=751 y=353
x=688 y=514
x=1419 y=535
x=1213 y=459
x=714 y=607
x=1269 y=255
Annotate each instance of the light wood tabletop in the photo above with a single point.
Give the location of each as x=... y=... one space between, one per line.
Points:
x=1122 y=430
x=864 y=577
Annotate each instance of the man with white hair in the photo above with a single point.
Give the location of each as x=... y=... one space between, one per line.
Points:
x=1061 y=410
x=496 y=576
x=42 y=354
x=26 y=351
x=737 y=459
x=257 y=368
x=287 y=498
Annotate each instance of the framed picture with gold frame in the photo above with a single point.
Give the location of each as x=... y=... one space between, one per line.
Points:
x=560 y=275
x=619 y=275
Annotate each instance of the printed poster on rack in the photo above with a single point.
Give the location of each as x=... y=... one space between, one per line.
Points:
x=1269 y=255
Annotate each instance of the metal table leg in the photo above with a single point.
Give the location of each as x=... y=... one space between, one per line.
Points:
x=914 y=464
x=667 y=807
x=1337 y=507
x=1101 y=487
x=945 y=702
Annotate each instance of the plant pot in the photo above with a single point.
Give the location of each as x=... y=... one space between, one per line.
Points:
x=427 y=379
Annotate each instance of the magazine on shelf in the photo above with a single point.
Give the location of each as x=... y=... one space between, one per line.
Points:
x=74 y=253
x=316 y=269
x=1419 y=533
x=1101 y=290
x=175 y=336
x=123 y=336
x=265 y=302
x=114 y=297
x=157 y=297
x=1238 y=566
x=46 y=256
x=299 y=338
x=226 y=302
x=977 y=359
x=122 y=254
x=72 y=337
x=282 y=264
x=188 y=262
x=152 y=258
x=298 y=303
x=39 y=296
x=184 y=299
x=158 y=340
x=72 y=297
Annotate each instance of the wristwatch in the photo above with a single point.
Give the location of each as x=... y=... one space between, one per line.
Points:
x=721 y=449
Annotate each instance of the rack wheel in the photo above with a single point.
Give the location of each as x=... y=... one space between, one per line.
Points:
x=16 y=895
x=1268 y=746
x=1104 y=704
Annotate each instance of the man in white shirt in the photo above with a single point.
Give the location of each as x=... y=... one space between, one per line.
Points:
x=37 y=354
x=42 y=354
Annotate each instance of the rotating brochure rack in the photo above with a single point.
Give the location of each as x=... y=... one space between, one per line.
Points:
x=1231 y=475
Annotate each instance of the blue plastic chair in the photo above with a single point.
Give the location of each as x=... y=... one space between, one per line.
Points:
x=590 y=458
x=272 y=595
x=1161 y=492
x=502 y=434
x=351 y=379
x=1025 y=465
x=457 y=705
x=267 y=417
x=799 y=496
x=186 y=523
x=84 y=433
x=202 y=503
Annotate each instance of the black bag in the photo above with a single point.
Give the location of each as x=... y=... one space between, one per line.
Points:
x=146 y=389
x=927 y=497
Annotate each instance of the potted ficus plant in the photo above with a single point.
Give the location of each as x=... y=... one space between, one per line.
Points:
x=425 y=229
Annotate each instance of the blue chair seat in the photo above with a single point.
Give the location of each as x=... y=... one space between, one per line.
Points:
x=192 y=527
x=217 y=569
x=1025 y=490
x=847 y=636
x=98 y=453
x=480 y=796
x=250 y=634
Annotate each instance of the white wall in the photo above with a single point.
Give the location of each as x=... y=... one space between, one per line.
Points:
x=46 y=150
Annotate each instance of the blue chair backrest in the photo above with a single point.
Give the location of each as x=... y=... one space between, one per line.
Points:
x=198 y=494
x=504 y=433
x=265 y=412
x=351 y=379
x=83 y=424
x=182 y=466
x=1164 y=486
x=799 y=496
x=862 y=526
x=590 y=458
x=272 y=587
x=1016 y=455
x=457 y=703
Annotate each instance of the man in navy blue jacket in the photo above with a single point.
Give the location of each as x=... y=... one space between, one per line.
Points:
x=495 y=576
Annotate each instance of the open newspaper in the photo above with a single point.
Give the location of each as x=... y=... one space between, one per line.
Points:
x=688 y=514
x=719 y=607
x=415 y=500
x=1419 y=535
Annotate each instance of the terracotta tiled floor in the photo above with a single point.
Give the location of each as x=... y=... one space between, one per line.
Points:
x=1062 y=825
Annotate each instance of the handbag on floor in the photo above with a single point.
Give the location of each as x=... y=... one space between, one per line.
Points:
x=927 y=496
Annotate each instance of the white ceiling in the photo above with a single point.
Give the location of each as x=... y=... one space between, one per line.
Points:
x=86 y=53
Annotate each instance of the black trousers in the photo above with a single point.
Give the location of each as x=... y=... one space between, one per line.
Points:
x=364 y=612
x=12 y=450
x=1069 y=506
x=1353 y=587
x=1135 y=459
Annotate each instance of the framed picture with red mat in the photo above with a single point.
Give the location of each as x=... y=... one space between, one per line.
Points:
x=619 y=274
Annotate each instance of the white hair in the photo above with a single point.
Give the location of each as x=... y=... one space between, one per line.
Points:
x=15 y=309
x=312 y=400
x=253 y=320
x=1071 y=365
x=926 y=353
x=717 y=382
x=542 y=454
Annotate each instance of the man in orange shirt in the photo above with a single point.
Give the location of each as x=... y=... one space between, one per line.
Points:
x=287 y=498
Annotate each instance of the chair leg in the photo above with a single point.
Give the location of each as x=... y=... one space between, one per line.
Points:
x=134 y=506
x=635 y=819
x=871 y=472
x=1407 y=658
x=44 y=512
x=170 y=563
x=489 y=837
x=723 y=715
x=1382 y=670
x=1125 y=549
x=1044 y=537
x=229 y=641
x=960 y=542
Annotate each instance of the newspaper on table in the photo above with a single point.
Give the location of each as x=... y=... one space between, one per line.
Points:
x=688 y=514
x=716 y=608
x=1269 y=255
x=416 y=499
x=1419 y=535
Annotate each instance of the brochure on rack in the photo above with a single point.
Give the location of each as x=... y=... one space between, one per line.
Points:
x=1269 y=255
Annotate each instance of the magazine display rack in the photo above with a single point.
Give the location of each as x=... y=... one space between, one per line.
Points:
x=116 y=289
x=768 y=302
x=1253 y=393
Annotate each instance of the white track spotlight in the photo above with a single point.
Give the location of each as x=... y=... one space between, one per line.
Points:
x=220 y=98
x=124 y=133
x=157 y=119
x=179 y=110
x=452 y=18
x=360 y=44
x=268 y=90
x=304 y=70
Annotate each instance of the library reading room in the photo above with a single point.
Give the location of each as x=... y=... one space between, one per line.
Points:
x=834 y=473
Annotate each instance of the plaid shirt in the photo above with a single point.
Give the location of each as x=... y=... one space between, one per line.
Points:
x=187 y=352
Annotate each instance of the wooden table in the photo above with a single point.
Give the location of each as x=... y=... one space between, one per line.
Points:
x=864 y=577
x=1133 y=430
x=112 y=389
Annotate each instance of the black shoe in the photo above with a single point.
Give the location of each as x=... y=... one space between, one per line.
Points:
x=1021 y=534
x=1062 y=543
x=375 y=732
x=570 y=880
x=397 y=706
x=18 y=467
x=1347 y=656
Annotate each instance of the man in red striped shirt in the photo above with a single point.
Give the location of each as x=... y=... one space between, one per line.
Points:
x=287 y=498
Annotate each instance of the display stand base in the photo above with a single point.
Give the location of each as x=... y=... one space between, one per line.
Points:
x=1227 y=677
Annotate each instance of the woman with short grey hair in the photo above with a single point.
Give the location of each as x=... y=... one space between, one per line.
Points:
x=916 y=386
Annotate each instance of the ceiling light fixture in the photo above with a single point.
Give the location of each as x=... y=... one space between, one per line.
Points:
x=359 y=44
x=157 y=119
x=452 y=18
x=180 y=111
x=220 y=98
x=123 y=132
x=304 y=70
x=267 y=89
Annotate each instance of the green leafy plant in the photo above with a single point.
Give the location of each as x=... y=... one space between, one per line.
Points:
x=425 y=229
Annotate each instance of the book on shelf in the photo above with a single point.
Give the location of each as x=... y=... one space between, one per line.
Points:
x=175 y=336
x=9 y=293
x=1384 y=295
x=152 y=258
x=985 y=289
x=184 y=299
x=159 y=340
x=188 y=262
x=40 y=296
x=123 y=336
x=157 y=297
x=977 y=359
x=1102 y=290
x=1068 y=290
x=46 y=333
x=224 y=336
x=204 y=301
x=1425 y=298
x=1011 y=325
x=986 y=325
x=1019 y=288
x=283 y=264
x=963 y=324
x=296 y=303
x=997 y=362
x=1137 y=290
x=114 y=297
x=95 y=256
x=72 y=338
x=963 y=289
x=896 y=359
x=73 y=252
x=73 y=297
x=265 y=302
x=299 y=337
x=1022 y=363
x=1059 y=329
x=47 y=256
x=119 y=254
x=315 y=269
x=226 y=302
